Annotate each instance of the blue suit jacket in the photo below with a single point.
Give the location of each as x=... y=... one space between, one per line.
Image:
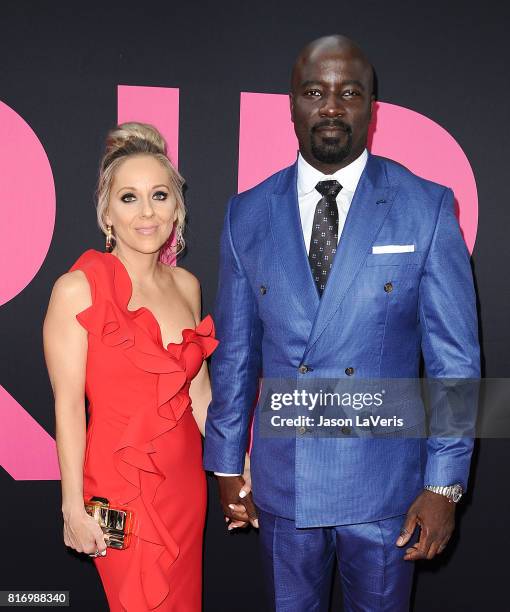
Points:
x=356 y=324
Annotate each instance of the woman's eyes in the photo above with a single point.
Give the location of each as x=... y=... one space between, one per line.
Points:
x=160 y=195
x=131 y=197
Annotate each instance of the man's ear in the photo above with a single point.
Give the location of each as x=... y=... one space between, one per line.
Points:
x=291 y=102
x=372 y=102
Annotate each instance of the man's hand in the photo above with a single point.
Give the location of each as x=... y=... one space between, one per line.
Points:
x=233 y=491
x=435 y=515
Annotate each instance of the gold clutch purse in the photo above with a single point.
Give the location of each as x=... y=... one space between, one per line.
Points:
x=116 y=523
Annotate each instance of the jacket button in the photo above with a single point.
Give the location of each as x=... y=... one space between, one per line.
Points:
x=388 y=287
x=304 y=368
x=345 y=430
x=263 y=290
x=349 y=371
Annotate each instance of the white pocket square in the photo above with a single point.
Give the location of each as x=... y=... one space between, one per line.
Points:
x=393 y=248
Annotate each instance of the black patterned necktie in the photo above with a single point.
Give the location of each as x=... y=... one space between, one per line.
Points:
x=324 y=233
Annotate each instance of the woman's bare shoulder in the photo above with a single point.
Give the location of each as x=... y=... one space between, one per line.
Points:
x=73 y=290
x=188 y=286
x=185 y=278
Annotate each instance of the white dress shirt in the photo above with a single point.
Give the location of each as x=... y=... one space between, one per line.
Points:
x=308 y=196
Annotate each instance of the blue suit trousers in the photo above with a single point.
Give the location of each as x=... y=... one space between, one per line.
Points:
x=298 y=565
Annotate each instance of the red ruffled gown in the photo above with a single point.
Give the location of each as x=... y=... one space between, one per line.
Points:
x=143 y=445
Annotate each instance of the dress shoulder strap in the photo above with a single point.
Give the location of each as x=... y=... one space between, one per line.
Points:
x=99 y=272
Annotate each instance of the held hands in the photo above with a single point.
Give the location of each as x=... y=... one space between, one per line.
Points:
x=82 y=533
x=236 y=499
x=435 y=515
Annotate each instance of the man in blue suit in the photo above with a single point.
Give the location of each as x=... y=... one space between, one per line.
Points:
x=343 y=266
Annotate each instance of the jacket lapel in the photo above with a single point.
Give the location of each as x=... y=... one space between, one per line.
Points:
x=370 y=205
x=285 y=223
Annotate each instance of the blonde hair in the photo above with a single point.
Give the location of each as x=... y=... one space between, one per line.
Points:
x=134 y=138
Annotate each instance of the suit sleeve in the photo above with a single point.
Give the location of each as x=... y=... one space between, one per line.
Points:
x=448 y=319
x=236 y=363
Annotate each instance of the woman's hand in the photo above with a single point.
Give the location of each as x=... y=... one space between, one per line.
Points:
x=83 y=533
x=246 y=476
x=241 y=509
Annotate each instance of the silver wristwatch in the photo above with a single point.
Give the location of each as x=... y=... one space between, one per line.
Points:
x=452 y=492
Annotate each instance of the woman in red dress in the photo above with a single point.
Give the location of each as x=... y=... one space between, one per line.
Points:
x=124 y=329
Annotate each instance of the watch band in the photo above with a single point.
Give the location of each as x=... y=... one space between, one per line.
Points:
x=452 y=492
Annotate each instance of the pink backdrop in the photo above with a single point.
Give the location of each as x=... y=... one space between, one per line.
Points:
x=267 y=143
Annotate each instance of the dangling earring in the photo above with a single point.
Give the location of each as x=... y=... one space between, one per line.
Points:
x=179 y=242
x=109 y=236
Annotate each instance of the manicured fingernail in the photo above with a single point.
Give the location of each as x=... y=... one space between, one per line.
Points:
x=243 y=494
x=400 y=541
x=231 y=506
x=256 y=523
x=103 y=554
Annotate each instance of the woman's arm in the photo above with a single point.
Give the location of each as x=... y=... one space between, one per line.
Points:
x=200 y=393
x=200 y=389
x=65 y=350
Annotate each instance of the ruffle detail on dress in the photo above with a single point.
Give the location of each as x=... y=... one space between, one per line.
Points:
x=144 y=588
x=202 y=335
x=133 y=460
x=110 y=320
x=103 y=319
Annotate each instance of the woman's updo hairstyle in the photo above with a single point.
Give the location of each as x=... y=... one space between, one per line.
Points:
x=134 y=138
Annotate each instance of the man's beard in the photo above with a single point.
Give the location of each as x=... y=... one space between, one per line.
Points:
x=329 y=150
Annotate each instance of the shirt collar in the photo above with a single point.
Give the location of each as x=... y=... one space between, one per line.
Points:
x=348 y=177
